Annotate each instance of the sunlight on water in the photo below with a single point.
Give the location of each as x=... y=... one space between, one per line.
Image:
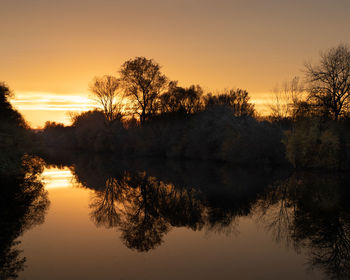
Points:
x=55 y=178
x=162 y=232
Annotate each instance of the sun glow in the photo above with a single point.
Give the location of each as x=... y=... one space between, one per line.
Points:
x=39 y=107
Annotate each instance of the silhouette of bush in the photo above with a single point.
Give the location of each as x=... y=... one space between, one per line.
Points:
x=218 y=134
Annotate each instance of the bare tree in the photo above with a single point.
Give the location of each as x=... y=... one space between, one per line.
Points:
x=329 y=81
x=143 y=83
x=106 y=92
x=287 y=98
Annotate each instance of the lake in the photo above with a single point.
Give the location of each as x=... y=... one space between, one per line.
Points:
x=93 y=218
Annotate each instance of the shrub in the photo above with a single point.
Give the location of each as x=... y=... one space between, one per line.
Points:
x=313 y=144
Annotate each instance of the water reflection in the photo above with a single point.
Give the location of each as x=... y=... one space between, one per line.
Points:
x=312 y=211
x=54 y=178
x=23 y=204
x=145 y=200
x=302 y=211
x=144 y=209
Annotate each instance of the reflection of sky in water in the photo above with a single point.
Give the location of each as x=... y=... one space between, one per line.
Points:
x=69 y=245
x=55 y=178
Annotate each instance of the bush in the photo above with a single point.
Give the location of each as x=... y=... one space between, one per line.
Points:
x=218 y=134
x=214 y=134
x=313 y=144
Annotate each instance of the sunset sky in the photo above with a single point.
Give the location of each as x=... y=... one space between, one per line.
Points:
x=51 y=50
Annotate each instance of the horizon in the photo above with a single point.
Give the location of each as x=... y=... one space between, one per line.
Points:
x=39 y=107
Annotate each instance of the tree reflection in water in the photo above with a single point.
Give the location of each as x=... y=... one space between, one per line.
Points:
x=312 y=211
x=23 y=204
x=144 y=209
x=307 y=212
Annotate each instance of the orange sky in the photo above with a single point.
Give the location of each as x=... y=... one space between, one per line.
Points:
x=52 y=49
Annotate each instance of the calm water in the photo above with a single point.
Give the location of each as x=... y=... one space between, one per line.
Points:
x=168 y=220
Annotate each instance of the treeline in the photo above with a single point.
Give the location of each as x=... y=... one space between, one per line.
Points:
x=213 y=133
x=141 y=113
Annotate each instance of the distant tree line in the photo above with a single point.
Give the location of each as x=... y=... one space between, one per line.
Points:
x=144 y=113
x=154 y=117
x=142 y=91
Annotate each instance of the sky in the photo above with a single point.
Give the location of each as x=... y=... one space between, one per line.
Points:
x=51 y=50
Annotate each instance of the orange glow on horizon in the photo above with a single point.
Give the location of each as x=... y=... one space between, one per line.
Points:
x=217 y=44
x=37 y=108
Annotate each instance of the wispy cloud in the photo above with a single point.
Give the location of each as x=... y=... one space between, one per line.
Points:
x=39 y=107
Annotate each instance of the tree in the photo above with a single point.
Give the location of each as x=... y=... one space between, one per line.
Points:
x=181 y=100
x=5 y=93
x=287 y=99
x=329 y=81
x=237 y=100
x=8 y=115
x=143 y=83
x=105 y=91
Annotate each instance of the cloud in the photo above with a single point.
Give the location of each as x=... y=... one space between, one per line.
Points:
x=28 y=101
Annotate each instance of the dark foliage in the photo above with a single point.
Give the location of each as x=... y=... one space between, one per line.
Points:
x=311 y=211
x=329 y=82
x=237 y=100
x=214 y=134
x=23 y=204
x=15 y=136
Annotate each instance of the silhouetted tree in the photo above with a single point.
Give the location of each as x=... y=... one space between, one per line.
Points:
x=57 y=135
x=90 y=131
x=287 y=99
x=5 y=93
x=329 y=81
x=15 y=137
x=237 y=100
x=8 y=115
x=105 y=91
x=181 y=100
x=143 y=83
